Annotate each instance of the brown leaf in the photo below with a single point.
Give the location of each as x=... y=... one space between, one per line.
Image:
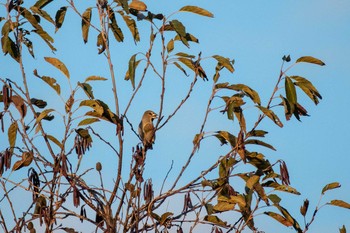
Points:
x=19 y=104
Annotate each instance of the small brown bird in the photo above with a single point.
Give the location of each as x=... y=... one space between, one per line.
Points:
x=147 y=130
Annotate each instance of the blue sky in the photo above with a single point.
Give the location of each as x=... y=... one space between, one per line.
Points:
x=256 y=34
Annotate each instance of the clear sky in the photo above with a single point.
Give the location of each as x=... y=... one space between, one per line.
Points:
x=256 y=34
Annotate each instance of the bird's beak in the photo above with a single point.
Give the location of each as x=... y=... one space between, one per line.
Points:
x=155 y=116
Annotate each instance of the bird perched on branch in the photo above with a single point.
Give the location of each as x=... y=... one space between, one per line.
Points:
x=147 y=130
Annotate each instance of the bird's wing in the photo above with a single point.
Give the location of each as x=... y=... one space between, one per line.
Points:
x=148 y=127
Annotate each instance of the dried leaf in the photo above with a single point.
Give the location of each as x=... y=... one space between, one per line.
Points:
x=58 y=64
x=339 y=203
x=59 y=18
x=330 y=186
x=312 y=60
x=85 y=24
x=197 y=10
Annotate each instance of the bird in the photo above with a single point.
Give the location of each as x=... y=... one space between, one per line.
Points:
x=147 y=130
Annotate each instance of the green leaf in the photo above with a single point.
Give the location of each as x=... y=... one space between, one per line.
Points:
x=258 y=142
x=274 y=198
x=291 y=93
x=310 y=59
x=187 y=62
x=180 y=68
x=87 y=89
x=58 y=64
x=197 y=10
x=270 y=114
x=85 y=24
x=181 y=54
x=180 y=30
x=95 y=78
x=289 y=218
x=130 y=75
x=59 y=18
x=43 y=114
x=88 y=121
x=330 y=186
x=54 y=140
x=8 y=46
x=279 y=218
x=214 y=219
x=225 y=62
x=307 y=87
x=12 y=135
x=339 y=203
x=117 y=32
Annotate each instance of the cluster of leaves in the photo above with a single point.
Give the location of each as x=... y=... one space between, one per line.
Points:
x=131 y=204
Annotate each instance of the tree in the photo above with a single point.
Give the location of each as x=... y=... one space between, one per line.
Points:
x=55 y=138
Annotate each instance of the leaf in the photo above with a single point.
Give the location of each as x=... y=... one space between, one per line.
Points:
x=117 y=32
x=304 y=207
x=214 y=219
x=279 y=218
x=42 y=3
x=52 y=83
x=42 y=13
x=59 y=18
x=252 y=181
x=130 y=23
x=87 y=89
x=130 y=75
x=170 y=46
x=12 y=134
x=180 y=30
x=39 y=103
x=138 y=5
x=187 y=62
x=8 y=46
x=226 y=137
x=27 y=158
x=291 y=93
x=93 y=104
x=43 y=114
x=180 y=68
x=310 y=59
x=19 y=104
x=58 y=64
x=289 y=218
x=274 y=198
x=270 y=114
x=95 y=78
x=223 y=206
x=256 y=133
x=88 y=121
x=339 y=203
x=165 y=217
x=225 y=62
x=261 y=143
x=330 y=186
x=197 y=10
x=307 y=87
x=85 y=24
x=287 y=189
x=54 y=140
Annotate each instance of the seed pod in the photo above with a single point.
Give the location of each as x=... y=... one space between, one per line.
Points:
x=98 y=166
